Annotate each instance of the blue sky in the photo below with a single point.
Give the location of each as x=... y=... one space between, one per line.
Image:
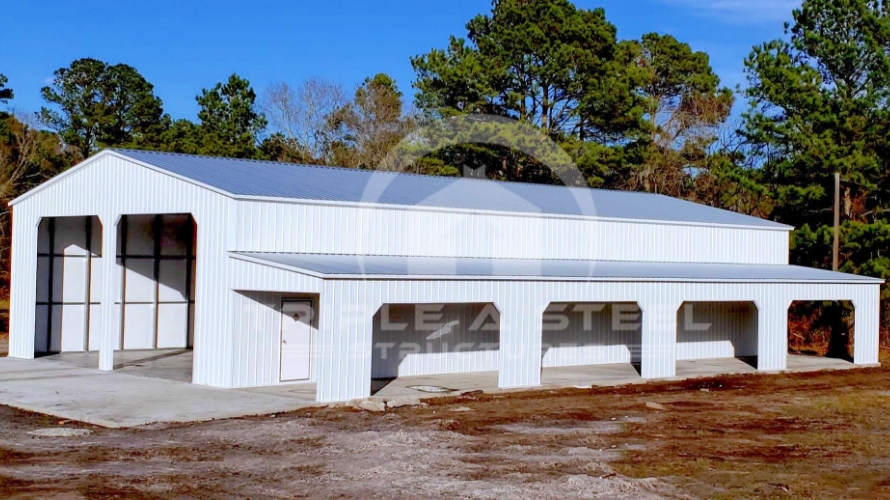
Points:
x=182 y=46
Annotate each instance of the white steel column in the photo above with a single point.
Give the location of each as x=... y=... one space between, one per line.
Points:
x=659 y=339
x=772 y=333
x=866 y=325
x=111 y=327
x=23 y=289
x=519 y=354
x=344 y=343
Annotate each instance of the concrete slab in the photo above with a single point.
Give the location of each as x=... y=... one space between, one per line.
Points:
x=168 y=364
x=115 y=399
x=556 y=378
x=598 y=375
x=604 y=375
x=132 y=395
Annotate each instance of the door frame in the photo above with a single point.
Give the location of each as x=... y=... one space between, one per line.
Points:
x=312 y=335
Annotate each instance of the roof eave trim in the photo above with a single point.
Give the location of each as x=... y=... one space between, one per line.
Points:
x=60 y=177
x=436 y=277
x=451 y=277
x=276 y=265
x=364 y=204
x=110 y=152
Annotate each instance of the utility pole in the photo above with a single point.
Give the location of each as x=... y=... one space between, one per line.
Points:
x=837 y=220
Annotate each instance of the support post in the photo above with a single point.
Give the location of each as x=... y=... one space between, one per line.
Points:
x=519 y=352
x=23 y=285
x=659 y=339
x=343 y=348
x=867 y=316
x=111 y=327
x=772 y=334
x=837 y=221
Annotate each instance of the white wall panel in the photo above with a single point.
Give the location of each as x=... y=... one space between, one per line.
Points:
x=70 y=277
x=172 y=326
x=257 y=337
x=576 y=334
x=139 y=322
x=432 y=339
x=707 y=330
x=140 y=283
x=96 y=328
x=867 y=323
x=140 y=235
x=307 y=228
x=73 y=323
x=258 y=277
x=41 y=343
x=62 y=271
x=172 y=277
x=70 y=236
x=43 y=272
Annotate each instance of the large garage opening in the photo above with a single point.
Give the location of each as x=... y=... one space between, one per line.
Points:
x=717 y=331
x=434 y=348
x=821 y=329
x=591 y=342
x=157 y=258
x=69 y=260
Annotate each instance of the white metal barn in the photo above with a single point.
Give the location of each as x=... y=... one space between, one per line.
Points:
x=277 y=273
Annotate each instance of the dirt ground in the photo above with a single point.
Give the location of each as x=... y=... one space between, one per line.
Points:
x=819 y=435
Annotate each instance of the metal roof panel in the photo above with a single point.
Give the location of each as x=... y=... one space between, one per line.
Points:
x=255 y=178
x=377 y=266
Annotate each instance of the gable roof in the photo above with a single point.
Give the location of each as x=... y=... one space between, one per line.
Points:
x=241 y=178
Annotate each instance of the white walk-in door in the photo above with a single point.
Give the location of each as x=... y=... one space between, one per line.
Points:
x=296 y=339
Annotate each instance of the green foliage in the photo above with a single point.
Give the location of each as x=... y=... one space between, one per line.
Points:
x=99 y=105
x=545 y=63
x=5 y=93
x=640 y=115
x=819 y=106
x=28 y=156
x=230 y=122
x=278 y=147
x=183 y=136
x=362 y=132
x=683 y=108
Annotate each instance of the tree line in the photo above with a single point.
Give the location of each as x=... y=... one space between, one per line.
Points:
x=647 y=115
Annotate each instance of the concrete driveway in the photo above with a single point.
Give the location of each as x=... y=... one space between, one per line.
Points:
x=114 y=399
x=126 y=399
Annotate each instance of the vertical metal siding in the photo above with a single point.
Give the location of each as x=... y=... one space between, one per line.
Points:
x=108 y=187
x=285 y=227
x=427 y=339
x=256 y=320
x=347 y=307
x=866 y=326
x=23 y=289
x=577 y=334
x=707 y=330
x=256 y=336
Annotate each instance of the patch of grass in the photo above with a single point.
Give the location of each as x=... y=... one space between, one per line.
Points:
x=830 y=444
